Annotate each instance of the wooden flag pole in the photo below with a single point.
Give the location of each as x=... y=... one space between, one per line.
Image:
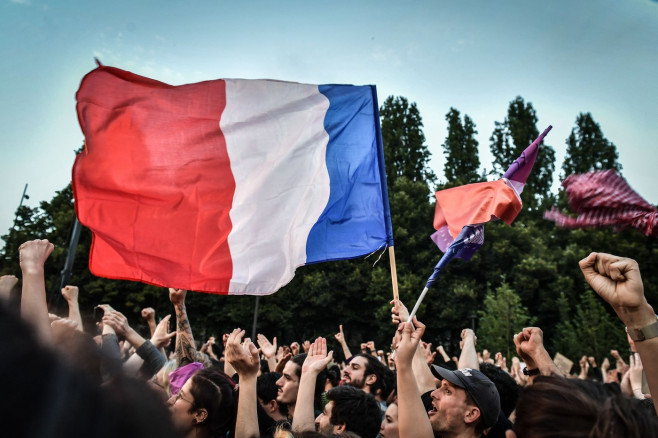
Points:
x=394 y=272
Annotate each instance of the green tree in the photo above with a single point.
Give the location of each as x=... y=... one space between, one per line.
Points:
x=510 y=138
x=502 y=317
x=587 y=329
x=405 y=150
x=461 y=150
x=588 y=149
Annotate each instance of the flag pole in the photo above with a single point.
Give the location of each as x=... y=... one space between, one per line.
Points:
x=394 y=272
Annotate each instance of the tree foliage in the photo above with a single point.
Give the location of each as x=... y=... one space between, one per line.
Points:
x=502 y=317
x=406 y=153
x=461 y=150
x=588 y=149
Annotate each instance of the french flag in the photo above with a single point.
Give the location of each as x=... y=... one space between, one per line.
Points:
x=227 y=186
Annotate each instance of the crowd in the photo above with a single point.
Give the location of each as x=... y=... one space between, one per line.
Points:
x=60 y=381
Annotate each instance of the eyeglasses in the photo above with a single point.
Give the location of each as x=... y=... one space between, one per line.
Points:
x=179 y=396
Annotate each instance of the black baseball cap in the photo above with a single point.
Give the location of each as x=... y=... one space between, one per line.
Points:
x=479 y=387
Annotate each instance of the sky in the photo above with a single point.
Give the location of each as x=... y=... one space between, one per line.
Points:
x=563 y=56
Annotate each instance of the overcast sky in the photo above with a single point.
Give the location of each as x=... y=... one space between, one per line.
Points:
x=564 y=56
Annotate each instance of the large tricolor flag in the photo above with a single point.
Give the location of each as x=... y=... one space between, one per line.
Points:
x=227 y=186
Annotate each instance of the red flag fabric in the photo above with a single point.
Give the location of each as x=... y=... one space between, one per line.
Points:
x=604 y=198
x=474 y=204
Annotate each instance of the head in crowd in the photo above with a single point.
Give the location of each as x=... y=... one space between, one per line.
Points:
x=204 y=405
x=508 y=389
x=161 y=379
x=350 y=410
x=467 y=401
x=333 y=376
x=553 y=405
x=366 y=372
x=389 y=427
x=266 y=391
x=288 y=384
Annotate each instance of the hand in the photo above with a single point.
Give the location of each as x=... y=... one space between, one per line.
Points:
x=618 y=281
x=177 y=296
x=294 y=348
x=592 y=361
x=529 y=344
x=468 y=334
x=399 y=312
x=70 y=293
x=317 y=357
x=33 y=254
x=635 y=375
x=615 y=354
x=396 y=340
x=371 y=346
x=501 y=361
x=306 y=345
x=148 y=314
x=243 y=357
x=268 y=349
x=116 y=320
x=625 y=384
x=161 y=336
x=63 y=327
x=516 y=366
x=340 y=336
x=211 y=340
x=280 y=364
x=7 y=283
x=427 y=352
x=411 y=336
x=364 y=347
x=106 y=308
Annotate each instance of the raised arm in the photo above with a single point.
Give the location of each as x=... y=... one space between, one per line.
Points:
x=243 y=357
x=316 y=361
x=268 y=349
x=468 y=357
x=530 y=346
x=70 y=294
x=185 y=348
x=618 y=281
x=340 y=337
x=7 y=283
x=420 y=370
x=148 y=315
x=412 y=417
x=34 y=309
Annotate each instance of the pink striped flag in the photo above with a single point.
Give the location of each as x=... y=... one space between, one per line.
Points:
x=604 y=198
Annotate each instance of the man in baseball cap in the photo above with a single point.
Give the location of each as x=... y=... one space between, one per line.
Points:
x=465 y=404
